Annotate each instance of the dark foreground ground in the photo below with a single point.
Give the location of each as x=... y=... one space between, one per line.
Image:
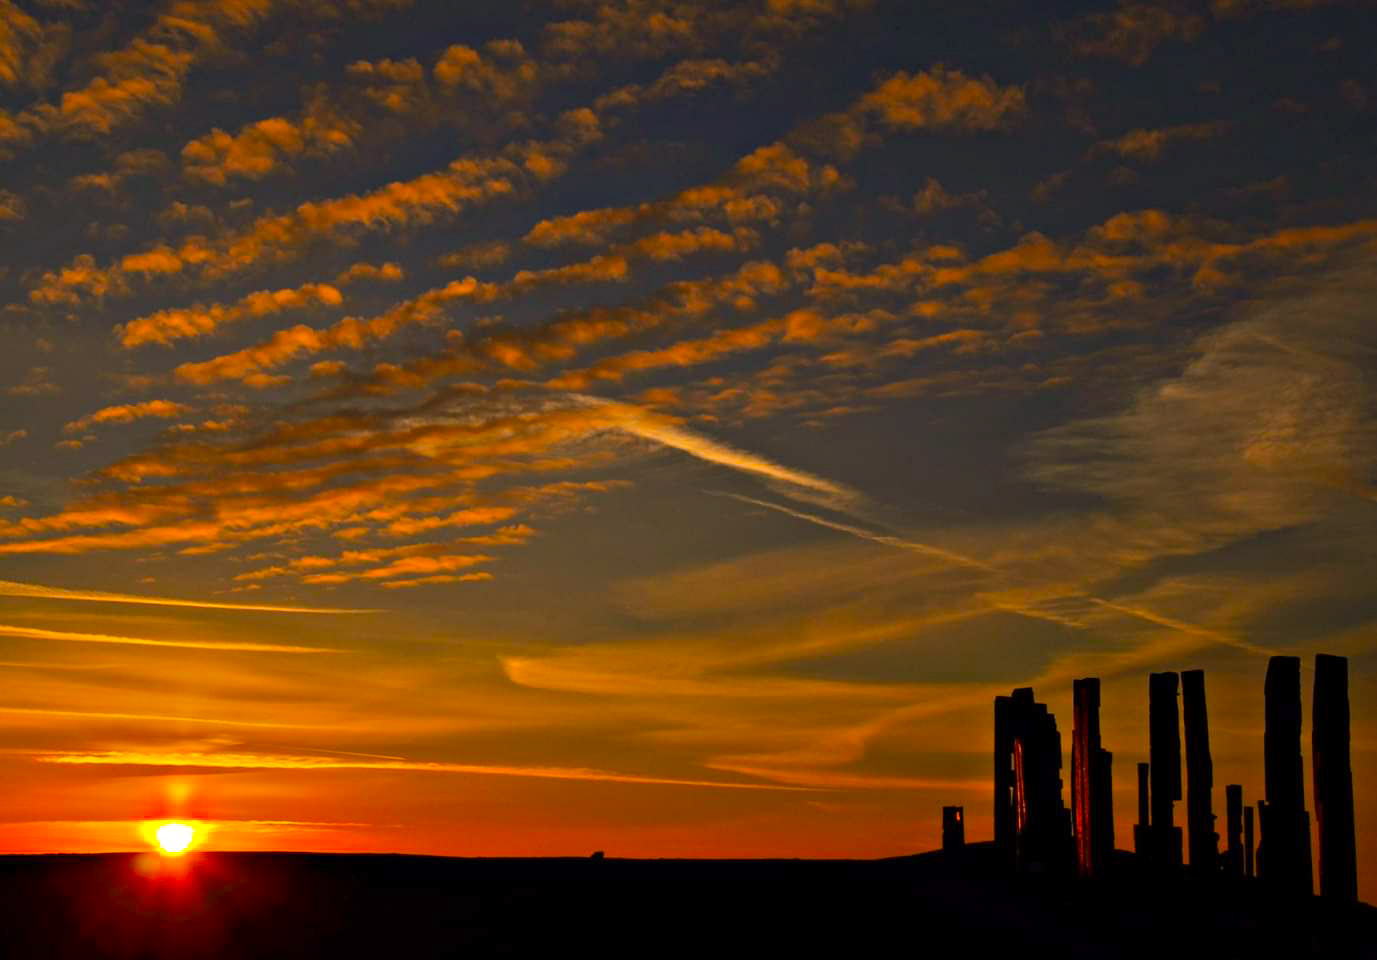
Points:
x=308 y=905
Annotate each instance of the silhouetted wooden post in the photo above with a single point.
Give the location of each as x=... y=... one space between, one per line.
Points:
x=1233 y=804
x=953 y=829
x=1142 y=844
x=1041 y=824
x=1164 y=752
x=1091 y=813
x=1204 y=841
x=1248 y=845
x=1284 y=855
x=1102 y=804
x=1333 y=772
x=1004 y=831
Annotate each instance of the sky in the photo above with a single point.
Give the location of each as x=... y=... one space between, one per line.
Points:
x=663 y=427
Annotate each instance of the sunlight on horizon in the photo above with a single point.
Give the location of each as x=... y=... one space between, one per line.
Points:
x=174 y=839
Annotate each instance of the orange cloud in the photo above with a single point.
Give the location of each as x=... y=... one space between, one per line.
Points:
x=11 y=207
x=476 y=256
x=165 y=326
x=19 y=35
x=127 y=413
x=560 y=339
x=586 y=227
x=83 y=278
x=1129 y=33
x=155 y=261
x=37 y=383
x=469 y=517
x=351 y=332
x=398 y=86
x=282 y=237
x=942 y=98
x=260 y=148
x=1148 y=144
x=505 y=74
x=146 y=73
x=442 y=578
x=599 y=269
x=688 y=76
x=385 y=273
x=676 y=246
x=683 y=354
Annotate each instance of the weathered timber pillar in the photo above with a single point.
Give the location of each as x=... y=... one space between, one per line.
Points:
x=953 y=829
x=1164 y=753
x=1233 y=804
x=1284 y=855
x=1333 y=778
x=1204 y=841
x=1103 y=804
x=1142 y=843
x=1039 y=822
x=1004 y=831
x=1091 y=803
x=1248 y=846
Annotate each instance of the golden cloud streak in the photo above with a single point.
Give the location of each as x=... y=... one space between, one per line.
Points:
x=39 y=592
x=158 y=718
x=37 y=633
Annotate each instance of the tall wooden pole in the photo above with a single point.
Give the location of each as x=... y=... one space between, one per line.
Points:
x=1333 y=777
x=1204 y=841
x=1233 y=802
x=1164 y=733
x=1284 y=855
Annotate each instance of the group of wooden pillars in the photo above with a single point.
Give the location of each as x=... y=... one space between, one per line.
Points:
x=1283 y=855
x=1033 y=828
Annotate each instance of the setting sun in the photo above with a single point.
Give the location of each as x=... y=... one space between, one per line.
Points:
x=174 y=838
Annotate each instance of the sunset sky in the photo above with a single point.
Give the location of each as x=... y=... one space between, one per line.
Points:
x=662 y=427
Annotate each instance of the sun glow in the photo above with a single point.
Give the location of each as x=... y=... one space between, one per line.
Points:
x=174 y=838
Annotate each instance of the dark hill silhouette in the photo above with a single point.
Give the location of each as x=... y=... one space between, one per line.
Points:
x=964 y=904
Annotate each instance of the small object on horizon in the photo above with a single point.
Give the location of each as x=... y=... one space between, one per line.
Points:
x=1333 y=779
x=597 y=855
x=953 y=829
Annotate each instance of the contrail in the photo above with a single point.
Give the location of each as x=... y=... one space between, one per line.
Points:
x=38 y=591
x=640 y=423
x=960 y=560
x=855 y=531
